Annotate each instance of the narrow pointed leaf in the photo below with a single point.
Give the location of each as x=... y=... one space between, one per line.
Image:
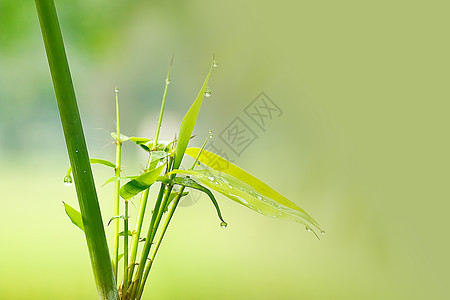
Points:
x=139 y=140
x=188 y=124
x=95 y=161
x=115 y=217
x=246 y=195
x=115 y=178
x=140 y=183
x=123 y=138
x=74 y=215
x=188 y=182
x=224 y=166
x=122 y=233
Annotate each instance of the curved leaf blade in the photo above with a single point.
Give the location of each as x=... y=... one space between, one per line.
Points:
x=140 y=183
x=188 y=182
x=222 y=165
x=95 y=161
x=74 y=215
x=246 y=195
x=114 y=218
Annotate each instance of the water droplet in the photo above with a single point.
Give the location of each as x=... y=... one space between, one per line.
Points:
x=84 y=171
x=116 y=90
x=198 y=163
x=308 y=229
x=210 y=134
x=167 y=81
x=223 y=224
x=68 y=181
x=76 y=151
x=259 y=197
x=215 y=63
x=322 y=231
x=208 y=92
x=211 y=178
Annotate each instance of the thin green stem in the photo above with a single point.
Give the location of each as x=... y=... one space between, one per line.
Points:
x=137 y=233
x=77 y=150
x=158 y=243
x=165 y=226
x=154 y=224
x=117 y=189
x=125 y=248
x=163 y=104
x=144 y=195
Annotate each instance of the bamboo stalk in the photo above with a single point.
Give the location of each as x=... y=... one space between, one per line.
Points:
x=77 y=150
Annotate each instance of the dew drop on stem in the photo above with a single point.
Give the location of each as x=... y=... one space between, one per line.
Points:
x=68 y=181
x=215 y=63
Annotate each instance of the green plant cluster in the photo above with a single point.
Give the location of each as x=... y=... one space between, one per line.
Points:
x=163 y=170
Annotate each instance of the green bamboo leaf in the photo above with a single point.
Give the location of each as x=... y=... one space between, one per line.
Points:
x=123 y=138
x=116 y=178
x=104 y=162
x=224 y=166
x=74 y=215
x=160 y=146
x=188 y=124
x=122 y=233
x=115 y=217
x=248 y=196
x=140 y=183
x=139 y=140
x=188 y=182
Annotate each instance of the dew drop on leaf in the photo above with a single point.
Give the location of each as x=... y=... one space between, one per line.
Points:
x=308 y=229
x=68 y=181
x=223 y=225
x=167 y=81
x=322 y=231
x=215 y=64
x=211 y=178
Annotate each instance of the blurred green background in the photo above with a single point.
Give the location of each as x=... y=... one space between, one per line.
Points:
x=362 y=143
